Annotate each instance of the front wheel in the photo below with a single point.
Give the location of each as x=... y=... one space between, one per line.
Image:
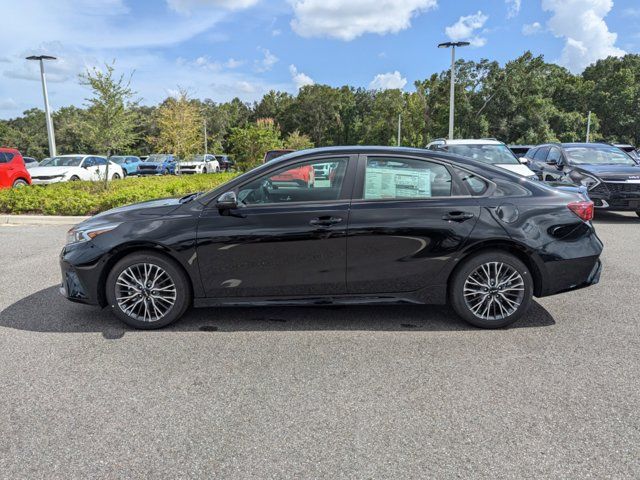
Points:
x=491 y=290
x=74 y=178
x=147 y=290
x=116 y=176
x=20 y=183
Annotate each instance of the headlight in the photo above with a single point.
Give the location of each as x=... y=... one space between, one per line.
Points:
x=79 y=234
x=533 y=178
x=589 y=181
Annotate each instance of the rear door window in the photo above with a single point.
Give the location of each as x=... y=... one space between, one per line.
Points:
x=388 y=178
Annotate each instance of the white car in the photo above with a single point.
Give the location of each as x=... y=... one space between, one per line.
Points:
x=65 y=168
x=199 y=164
x=485 y=150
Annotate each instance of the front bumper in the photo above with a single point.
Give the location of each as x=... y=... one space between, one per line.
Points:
x=48 y=181
x=619 y=196
x=81 y=267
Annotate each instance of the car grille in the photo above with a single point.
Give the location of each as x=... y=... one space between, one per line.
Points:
x=46 y=177
x=623 y=187
x=149 y=168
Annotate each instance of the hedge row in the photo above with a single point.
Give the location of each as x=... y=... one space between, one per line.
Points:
x=89 y=198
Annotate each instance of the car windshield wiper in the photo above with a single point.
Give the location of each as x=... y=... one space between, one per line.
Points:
x=191 y=196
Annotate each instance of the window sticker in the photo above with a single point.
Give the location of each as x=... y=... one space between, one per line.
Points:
x=385 y=182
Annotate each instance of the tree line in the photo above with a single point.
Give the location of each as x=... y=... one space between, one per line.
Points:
x=526 y=101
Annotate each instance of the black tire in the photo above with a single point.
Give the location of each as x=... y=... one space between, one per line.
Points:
x=74 y=178
x=462 y=307
x=20 y=182
x=173 y=270
x=116 y=176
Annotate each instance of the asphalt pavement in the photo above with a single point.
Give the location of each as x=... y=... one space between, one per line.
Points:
x=349 y=392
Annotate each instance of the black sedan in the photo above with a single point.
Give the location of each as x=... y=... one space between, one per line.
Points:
x=388 y=225
x=611 y=176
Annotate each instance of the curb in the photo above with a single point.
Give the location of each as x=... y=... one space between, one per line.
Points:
x=39 y=220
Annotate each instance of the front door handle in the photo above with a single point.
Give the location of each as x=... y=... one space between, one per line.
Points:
x=458 y=216
x=325 y=221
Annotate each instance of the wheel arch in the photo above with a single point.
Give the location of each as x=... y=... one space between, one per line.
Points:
x=120 y=252
x=519 y=251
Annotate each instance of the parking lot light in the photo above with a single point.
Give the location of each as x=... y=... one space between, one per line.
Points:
x=452 y=46
x=47 y=111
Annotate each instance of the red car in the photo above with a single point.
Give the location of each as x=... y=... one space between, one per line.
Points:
x=303 y=176
x=13 y=173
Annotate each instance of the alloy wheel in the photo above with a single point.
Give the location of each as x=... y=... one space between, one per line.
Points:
x=494 y=291
x=145 y=292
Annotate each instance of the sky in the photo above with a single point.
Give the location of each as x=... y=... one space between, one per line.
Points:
x=220 y=49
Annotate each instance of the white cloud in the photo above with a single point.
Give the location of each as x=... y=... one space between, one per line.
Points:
x=465 y=29
x=513 y=7
x=8 y=104
x=299 y=79
x=267 y=62
x=531 y=28
x=587 y=36
x=388 y=81
x=187 y=7
x=348 y=19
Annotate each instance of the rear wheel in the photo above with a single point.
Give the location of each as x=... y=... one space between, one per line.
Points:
x=21 y=182
x=491 y=290
x=116 y=176
x=147 y=290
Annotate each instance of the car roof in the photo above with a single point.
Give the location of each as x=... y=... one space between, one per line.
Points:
x=469 y=141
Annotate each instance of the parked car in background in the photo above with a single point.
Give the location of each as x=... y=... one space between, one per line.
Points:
x=225 y=161
x=520 y=150
x=199 y=164
x=143 y=158
x=487 y=151
x=629 y=150
x=13 y=172
x=30 y=162
x=273 y=154
x=419 y=226
x=158 y=164
x=611 y=176
x=128 y=163
x=64 y=168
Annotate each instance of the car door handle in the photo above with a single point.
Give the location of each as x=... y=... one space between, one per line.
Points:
x=458 y=216
x=325 y=221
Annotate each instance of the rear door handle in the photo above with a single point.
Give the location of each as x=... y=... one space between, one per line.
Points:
x=325 y=221
x=458 y=216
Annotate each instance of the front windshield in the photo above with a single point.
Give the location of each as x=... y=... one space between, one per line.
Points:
x=157 y=158
x=492 y=154
x=195 y=158
x=118 y=160
x=598 y=155
x=62 y=162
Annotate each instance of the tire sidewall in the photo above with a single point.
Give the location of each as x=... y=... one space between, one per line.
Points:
x=456 y=294
x=19 y=183
x=183 y=289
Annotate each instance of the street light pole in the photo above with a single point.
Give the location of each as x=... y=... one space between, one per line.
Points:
x=47 y=110
x=452 y=91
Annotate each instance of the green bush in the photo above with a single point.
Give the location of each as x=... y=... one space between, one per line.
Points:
x=89 y=198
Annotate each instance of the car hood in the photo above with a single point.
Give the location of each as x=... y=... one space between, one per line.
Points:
x=518 y=168
x=49 y=171
x=612 y=172
x=136 y=211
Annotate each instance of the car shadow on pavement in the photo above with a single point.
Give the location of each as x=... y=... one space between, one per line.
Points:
x=612 y=218
x=47 y=311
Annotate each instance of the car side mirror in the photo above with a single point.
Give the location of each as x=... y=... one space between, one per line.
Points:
x=227 y=201
x=523 y=160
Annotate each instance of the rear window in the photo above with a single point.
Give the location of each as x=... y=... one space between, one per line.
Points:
x=6 y=157
x=476 y=185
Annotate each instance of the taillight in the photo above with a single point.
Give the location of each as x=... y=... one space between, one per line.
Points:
x=584 y=210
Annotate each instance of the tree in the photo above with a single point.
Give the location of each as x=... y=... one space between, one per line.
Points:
x=180 y=126
x=297 y=141
x=250 y=143
x=110 y=119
